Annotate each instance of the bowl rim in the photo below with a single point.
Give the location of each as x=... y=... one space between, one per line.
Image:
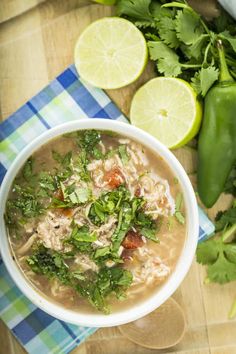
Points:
x=184 y=261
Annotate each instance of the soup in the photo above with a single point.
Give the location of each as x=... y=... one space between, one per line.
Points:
x=96 y=221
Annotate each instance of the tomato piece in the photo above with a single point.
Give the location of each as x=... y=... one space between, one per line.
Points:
x=132 y=240
x=114 y=177
x=137 y=192
x=59 y=195
x=127 y=254
x=65 y=211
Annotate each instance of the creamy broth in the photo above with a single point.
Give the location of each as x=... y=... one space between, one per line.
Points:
x=96 y=221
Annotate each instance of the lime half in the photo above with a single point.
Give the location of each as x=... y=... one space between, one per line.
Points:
x=168 y=109
x=110 y=53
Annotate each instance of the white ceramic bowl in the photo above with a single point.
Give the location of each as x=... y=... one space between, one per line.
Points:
x=184 y=262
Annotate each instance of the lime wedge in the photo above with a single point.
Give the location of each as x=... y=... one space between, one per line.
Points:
x=168 y=109
x=110 y=53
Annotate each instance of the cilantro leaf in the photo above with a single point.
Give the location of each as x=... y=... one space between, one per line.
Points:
x=225 y=218
x=50 y=263
x=101 y=252
x=230 y=251
x=222 y=271
x=123 y=154
x=28 y=169
x=196 y=82
x=204 y=79
x=109 y=280
x=220 y=258
x=224 y=22
x=207 y=77
x=158 y=11
x=124 y=224
x=63 y=160
x=47 y=182
x=148 y=227
x=83 y=194
x=195 y=50
x=179 y=216
x=137 y=9
x=178 y=213
x=167 y=32
x=108 y=203
x=149 y=233
x=188 y=26
x=26 y=202
x=75 y=195
x=97 y=154
x=208 y=251
x=167 y=60
x=81 y=166
x=231 y=39
x=88 y=139
x=82 y=234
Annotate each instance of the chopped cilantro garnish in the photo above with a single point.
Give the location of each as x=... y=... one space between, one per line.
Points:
x=101 y=252
x=28 y=169
x=50 y=263
x=178 y=213
x=109 y=280
x=81 y=166
x=148 y=227
x=26 y=202
x=123 y=154
x=95 y=287
x=82 y=234
x=88 y=139
x=47 y=182
x=75 y=195
x=108 y=204
x=64 y=160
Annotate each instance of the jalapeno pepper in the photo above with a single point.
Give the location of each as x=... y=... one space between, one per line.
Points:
x=217 y=140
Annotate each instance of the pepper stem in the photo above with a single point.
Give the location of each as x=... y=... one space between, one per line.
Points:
x=224 y=71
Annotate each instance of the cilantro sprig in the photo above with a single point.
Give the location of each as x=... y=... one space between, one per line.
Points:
x=219 y=253
x=220 y=257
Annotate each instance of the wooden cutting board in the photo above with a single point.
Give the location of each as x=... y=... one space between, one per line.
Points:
x=37 y=38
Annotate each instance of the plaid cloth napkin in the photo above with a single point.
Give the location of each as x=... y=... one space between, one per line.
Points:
x=64 y=99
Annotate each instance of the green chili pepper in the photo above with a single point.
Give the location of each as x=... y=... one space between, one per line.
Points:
x=217 y=140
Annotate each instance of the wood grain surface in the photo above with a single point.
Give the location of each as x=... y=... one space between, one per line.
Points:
x=37 y=39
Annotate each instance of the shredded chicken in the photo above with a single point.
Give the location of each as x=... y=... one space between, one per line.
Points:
x=86 y=263
x=148 y=267
x=25 y=248
x=53 y=229
x=105 y=231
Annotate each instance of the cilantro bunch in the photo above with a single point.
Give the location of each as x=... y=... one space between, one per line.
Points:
x=181 y=42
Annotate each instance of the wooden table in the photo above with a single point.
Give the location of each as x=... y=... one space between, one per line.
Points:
x=36 y=43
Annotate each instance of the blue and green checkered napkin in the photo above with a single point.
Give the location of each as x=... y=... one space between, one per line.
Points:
x=65 y=99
